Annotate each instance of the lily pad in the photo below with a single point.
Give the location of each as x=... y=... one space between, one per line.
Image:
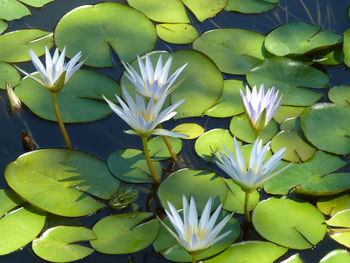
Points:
x=91 y=29
x=8 y=200
x=192 y=130
x=230 y=102
x=286 y=112
x=251 y=6
x=177 y=33
x=313 y=177
x=14 y=9
x=297 y=150
x=9 y=75
x=61 y=181
x=293 y=259
x=336 y=256
x=235 y=51
x=241 y=128
x=130 y=166
x=124 y=233
x=289 y=76
x=301 y=223
x=3 y=26
x=325 y=125
x=15 y=45
x=346 y=47
x=329 y=56
x=180 y=183
x=79 y=101
x=250 y=251
x=340 y=95
x=299 y=38
x=204 y=9
x=57 y=244
x=341 y=220
x=170 y=249
x=330 y=205
x=158 y=149
x=210 y=143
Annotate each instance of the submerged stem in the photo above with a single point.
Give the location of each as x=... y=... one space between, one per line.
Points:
x=151 y=168
x=168 y=145
x=60 y=121
x=246 y=208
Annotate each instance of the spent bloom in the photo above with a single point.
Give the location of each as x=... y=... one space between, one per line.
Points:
x=57 y=72
x=192 y=235
x=254 y=174
x=14 y=101
x=144 y=116
x=152 y=82
x=260 y=106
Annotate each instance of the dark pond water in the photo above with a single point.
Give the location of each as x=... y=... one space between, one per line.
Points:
x=105 y=136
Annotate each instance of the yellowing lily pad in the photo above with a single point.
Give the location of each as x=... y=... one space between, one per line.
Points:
x=57 y=244
x=301 y=223
x=341 y=220
x=336 y=256
x=177 y=33
x=330 y=205
x=193 y=130
x=251 y=6
x=340 y=95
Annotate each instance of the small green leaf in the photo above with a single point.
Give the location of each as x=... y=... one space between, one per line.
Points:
x=193 y=130
x=336 y=256
x=340 y=95
x=251 y=6
x=159 y=151
x=330 y=205
x=286 y=112
x=177 y=33
x=293 y=259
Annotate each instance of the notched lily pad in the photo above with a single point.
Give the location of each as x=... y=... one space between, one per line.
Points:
x=340 y=95
x=204 y=9
x=330 y=205
x=341 y=220
x=192 y=130
x=158 y=149
x=9 y=75
x=177 y=33
x=15 y=9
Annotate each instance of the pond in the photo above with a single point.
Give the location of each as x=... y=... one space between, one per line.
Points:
x=303 y=61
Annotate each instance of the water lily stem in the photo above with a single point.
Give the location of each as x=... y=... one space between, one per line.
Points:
x=151 y=168
x=60 y=121
x=246 y=207
x=194 y=258
x=168 y=145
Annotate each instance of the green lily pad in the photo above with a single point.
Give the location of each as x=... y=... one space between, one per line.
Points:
x=326 y=126
x=241 y=128
x=313 y=177
x=286 y=112
x=210 y=143
x=8 y=200
x=204 y=9
x=3 y=26
x=171 y=250
x=57 y=244
x=330 y=205
x=301 y=223
x=293 y=259
x=250 y=251
x=9 y=75
x=177 y=33
x=341 y=220
x=124 y=233
x=329 y=56
x=91 y=29
x=297 y=150
x=230 y=102
x=234 y=51
x=289 y=76
x=61 y=181
x=14 y=9
x=336 y=256
x=79 y=101
x=15 y=45
x=193 y=130
x=158 y=149
x=251 y=6
x=340 y=95
x=180 y=183
x=291 y=124
x=299 y=38
x=130 y=166
x=346 y=47
x=235 y=198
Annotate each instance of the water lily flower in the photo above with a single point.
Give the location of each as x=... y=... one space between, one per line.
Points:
x=259 y=106
x=142 y=116
x=152 y=82
x=57 y=72
x=192 y=235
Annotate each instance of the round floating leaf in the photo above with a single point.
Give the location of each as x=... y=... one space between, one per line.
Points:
x=297 y=150
x=15 y=45
x=235 y=198
x=230 y=102
x=130 y=166
x=3 y=26
x=55 y=244
x=340 y=95
x=165 y=11
x=234 y=51
x=301 y=223
x=124 y=233
x=9 y=75
x=79 y=101
x=251 y=6
x=330 y=56
x=288 y=75
x=193 y=130
x=177 y=33
x=92 y=30
x=204 y=9
x=291 y=124
x=333 y=204
x=299 y=38
x=346 y=47
x=250 y=251
x=170 y=249
x=336 y=256
x=61 y=181
x=286 y=112
x=8 y=200
x=11 y=10
x=311 y=177
x=342 y=233
x=340 y=219
x=293 y=259
x=210 y=143
x=327 y=127
x=180 y=183
x=241 y=128
x=159 y=151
